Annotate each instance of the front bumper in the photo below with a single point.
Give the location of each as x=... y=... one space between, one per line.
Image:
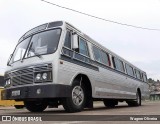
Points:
x=37 y=91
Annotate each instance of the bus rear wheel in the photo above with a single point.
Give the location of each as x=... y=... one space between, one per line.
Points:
x=35 y=106
x=136 y=102
x=76 y=102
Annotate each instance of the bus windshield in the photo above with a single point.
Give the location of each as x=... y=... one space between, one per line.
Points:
x=38 y=44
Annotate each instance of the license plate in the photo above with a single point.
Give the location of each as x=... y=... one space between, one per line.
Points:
x=16 y=93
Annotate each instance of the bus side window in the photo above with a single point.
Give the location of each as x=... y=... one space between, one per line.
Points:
x=67 y=50
x=144 y=77
x=129 y=70
x=67 y=42
x=121 y=66
x=114 y=65
x=118 y=64
x=138 y=75
x=83 y=48
x=97 y=54
x=105 y=58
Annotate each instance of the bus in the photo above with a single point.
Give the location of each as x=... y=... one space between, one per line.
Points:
x=56 y=64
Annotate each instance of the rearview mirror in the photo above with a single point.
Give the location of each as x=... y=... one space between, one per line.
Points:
x=75 y=41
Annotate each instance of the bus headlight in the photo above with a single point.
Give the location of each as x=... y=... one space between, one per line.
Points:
x=44 y=76
x=8 y=82
x=38 y=77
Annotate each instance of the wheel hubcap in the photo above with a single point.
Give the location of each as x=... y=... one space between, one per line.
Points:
x=77 y=95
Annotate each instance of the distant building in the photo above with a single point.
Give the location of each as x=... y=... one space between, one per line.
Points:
x=155 y=91
x=1 y=81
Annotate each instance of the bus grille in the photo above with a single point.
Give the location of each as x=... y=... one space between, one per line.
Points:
x=22 y=80
x=26 y=75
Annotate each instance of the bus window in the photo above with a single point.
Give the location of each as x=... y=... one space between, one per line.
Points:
x=97 y=54
x=20 y=50
x=83 y=49
x=105 y=58
x=138 y=74
x=67 y=50
x=129 y=70
x=144 y=78
x=67 y=42
x=44 y=43
x=118 y=64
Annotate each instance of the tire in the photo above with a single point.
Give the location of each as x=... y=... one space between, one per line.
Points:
x=138 y=99
x=136 y=102
x=77 y=99
x=110 y=103
x=19 y=106
x=35 y=106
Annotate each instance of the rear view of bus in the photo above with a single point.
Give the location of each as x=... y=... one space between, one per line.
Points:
x=56 y=64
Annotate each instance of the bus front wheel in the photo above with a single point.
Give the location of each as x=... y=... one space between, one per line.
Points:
x=35 y=106
x=19 y=106
x=77 y=99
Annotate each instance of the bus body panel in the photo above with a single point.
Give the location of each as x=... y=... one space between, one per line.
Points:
x=105 y=83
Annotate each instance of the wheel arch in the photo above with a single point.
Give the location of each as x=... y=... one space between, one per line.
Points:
x=88 y=87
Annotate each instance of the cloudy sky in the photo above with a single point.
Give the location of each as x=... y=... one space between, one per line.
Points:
x=140 y=47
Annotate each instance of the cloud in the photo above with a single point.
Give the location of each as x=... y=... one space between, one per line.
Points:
x=140 y=47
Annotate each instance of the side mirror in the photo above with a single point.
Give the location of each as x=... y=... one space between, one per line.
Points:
x=75 y=41
x=8 y=62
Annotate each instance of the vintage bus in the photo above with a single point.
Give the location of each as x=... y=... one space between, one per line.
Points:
x=57 y=64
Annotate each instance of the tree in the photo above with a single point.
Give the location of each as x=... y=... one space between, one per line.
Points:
x=151 y=81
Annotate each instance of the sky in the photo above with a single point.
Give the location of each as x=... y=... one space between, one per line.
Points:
x=138 y=46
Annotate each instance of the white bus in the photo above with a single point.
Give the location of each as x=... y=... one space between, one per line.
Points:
x=56 y=64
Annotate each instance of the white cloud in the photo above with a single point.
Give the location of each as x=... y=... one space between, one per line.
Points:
x=135 y=45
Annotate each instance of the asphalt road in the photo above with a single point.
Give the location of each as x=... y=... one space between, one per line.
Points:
x=121 y=114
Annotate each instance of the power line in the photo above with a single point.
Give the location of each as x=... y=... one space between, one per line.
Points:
x=107 y=20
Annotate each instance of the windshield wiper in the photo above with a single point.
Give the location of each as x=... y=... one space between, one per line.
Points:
x=38 y=55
